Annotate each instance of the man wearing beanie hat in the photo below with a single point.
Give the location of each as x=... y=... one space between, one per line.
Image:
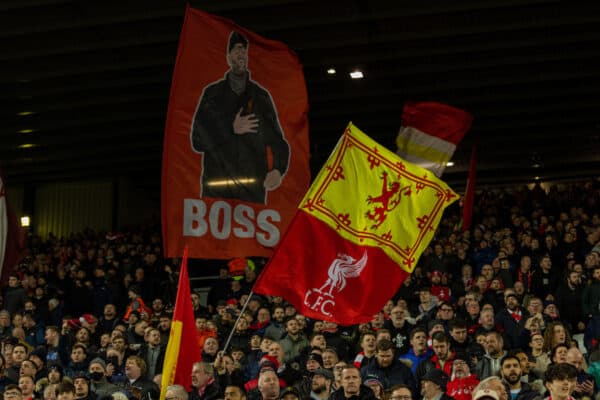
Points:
x=462 y=381
x=387 y=367
x=234 y=124
x=433 y=385
x=314 y=362
x=321 y=384
x=99 y=385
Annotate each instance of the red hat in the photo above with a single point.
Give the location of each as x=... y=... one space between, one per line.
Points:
x=89 y=318
x=232 y=302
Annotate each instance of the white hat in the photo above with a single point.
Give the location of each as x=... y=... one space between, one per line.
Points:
x=483 y=393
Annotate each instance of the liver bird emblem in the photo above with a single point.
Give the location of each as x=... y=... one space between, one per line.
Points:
x=342 y=268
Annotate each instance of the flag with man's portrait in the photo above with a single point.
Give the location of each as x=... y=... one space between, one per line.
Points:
x=235 y=157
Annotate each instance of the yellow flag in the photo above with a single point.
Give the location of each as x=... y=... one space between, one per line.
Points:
x=372 y=197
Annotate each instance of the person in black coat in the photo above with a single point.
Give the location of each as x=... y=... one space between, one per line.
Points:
x=352 y=387
x=204 y=385
x=512 y=318
x=433 y=385
x=387 y=367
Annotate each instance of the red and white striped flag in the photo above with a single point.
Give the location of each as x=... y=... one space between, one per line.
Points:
x=430 y=132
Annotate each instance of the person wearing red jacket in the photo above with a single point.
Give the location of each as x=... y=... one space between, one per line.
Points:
x=462 y=381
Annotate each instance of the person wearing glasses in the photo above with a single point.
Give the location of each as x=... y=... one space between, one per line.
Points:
x=337 y=375
x=400 y=392
x=12 y=392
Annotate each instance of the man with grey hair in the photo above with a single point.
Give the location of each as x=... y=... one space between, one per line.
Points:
x=204 y=386
x=268 y=384
x=176 y=392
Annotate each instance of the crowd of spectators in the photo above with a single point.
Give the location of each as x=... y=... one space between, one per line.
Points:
x=507 y=309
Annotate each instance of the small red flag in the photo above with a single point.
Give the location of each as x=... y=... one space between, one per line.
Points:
x=183 y=349
x=469 y=201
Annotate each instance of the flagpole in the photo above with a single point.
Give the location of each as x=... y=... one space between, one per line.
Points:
x=236 y=322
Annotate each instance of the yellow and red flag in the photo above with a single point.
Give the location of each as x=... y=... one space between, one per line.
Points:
x=357 y=234
x=183 y=349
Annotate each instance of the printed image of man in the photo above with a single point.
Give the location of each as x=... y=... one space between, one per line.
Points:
x=236 y=128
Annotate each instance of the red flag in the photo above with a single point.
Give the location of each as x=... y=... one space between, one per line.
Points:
x=235 y=158
x=430 y=133
x=12 y=240
x=183 y=349
x=469 y=201
x=357 y=234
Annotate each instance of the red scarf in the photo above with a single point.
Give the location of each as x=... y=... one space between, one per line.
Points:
x=517 y=315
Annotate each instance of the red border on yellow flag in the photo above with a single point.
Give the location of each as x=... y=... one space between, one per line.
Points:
x=358 y=233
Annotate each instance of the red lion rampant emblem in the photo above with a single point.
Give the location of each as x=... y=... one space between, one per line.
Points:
x=389 y=199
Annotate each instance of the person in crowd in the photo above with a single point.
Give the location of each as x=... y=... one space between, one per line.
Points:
x=586 y=385
x=491 y=388
x=399 y=329
x=433 y=385
x=399 y=392
x=462 y=382
x=368 y=350
x=441 y=358
x=65 y=391
x=352 y=387
x=177 y=392
x=294 y=340
x=135 y=379
x=511 y=318
x=81 y=381
x=418 y=349
x=489 y=365
x=511 y=373
x=268 y=384
x=19 y=354
x=27 y=386
x=321 y=384
x=204 y=386
x=560 y=380
x=387 y=368
x=98 y=380
x=153 y=353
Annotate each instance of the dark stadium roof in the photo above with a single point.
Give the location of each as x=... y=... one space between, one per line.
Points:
x=86 y=83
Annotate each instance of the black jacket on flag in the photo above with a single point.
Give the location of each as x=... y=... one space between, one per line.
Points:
x=241 y=159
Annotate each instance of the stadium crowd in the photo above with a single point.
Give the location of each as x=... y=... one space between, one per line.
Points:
x=507 y=309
